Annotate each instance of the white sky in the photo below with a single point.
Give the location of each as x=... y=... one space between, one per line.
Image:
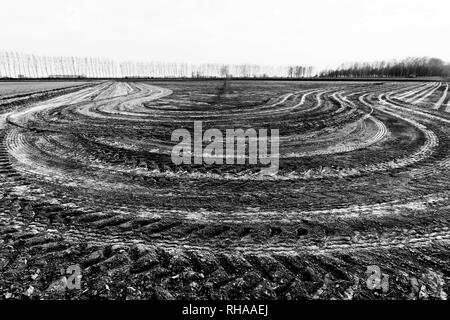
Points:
x=279 y=32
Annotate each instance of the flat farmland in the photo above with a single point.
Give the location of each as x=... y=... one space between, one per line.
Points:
x=24 y=87
x=86 y=178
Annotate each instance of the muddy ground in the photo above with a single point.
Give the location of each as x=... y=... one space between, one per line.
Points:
x=357 y=210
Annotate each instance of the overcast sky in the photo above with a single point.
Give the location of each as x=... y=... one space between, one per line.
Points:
x=280 y=32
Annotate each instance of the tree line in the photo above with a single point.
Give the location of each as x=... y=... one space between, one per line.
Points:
x=17 y=65
x=409 y=67
x=300 y=71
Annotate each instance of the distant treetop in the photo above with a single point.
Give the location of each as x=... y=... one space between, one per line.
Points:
x=409 y=67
